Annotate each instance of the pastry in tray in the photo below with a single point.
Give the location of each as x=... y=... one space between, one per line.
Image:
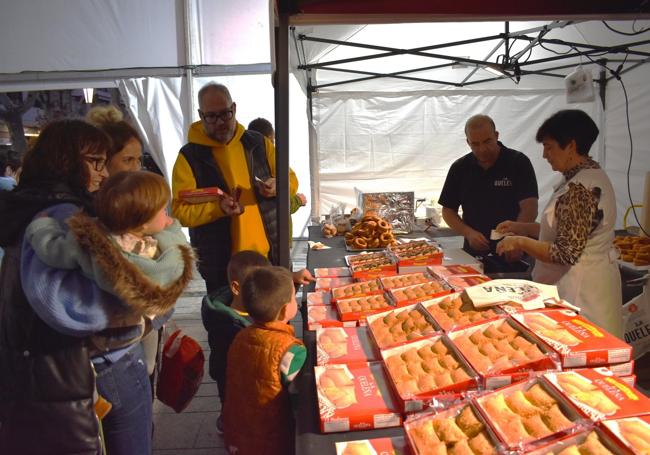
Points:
x=359 y=259
x=452 y=311
x=496 y=347
x=400 y=281
x=356 y=290
x=399 y=326
x=581 y=389
x=522 y=416
x=418 y=292
x=363 y=304
x=423 y=369
x=463 y=433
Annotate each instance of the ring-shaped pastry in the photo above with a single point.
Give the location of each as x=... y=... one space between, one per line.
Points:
x=383 y=225
x=360 y=242
x=386 y=237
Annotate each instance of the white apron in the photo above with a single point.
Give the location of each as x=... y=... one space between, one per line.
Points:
x=594 y=282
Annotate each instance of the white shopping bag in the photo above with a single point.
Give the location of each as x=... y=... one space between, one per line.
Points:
x=636 y=317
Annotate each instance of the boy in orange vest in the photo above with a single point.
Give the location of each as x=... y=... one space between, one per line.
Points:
x=262 y=361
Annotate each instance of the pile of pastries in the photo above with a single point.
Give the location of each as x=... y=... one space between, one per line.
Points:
x=463 y=434
x=397 y=327
x=370 y=232
x=333 y=342
x=581 y=389
x=453 y=312
x=367 y=262
x=424 y=369
x=525 y=415
x=497 y=347
x=417 y=250
x=338 y=387
x=367 y=304
x=548 y=328
x=400 y=281
x=356 y=289
x=418 y=292
x=634 y=249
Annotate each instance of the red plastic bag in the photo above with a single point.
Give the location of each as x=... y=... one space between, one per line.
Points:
x=181 y=371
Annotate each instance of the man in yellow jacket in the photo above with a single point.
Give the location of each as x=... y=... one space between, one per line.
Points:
x=221 y=153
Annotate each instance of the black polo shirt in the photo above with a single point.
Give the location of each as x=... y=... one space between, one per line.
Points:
x=489 y=196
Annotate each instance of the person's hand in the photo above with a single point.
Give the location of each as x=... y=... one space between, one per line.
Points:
x=267 y=187
x=230 y=206
x=477 y=241
x=303 y=276
x=514 y=256
x=303 y=198
x=509 y=245
x=509 y=227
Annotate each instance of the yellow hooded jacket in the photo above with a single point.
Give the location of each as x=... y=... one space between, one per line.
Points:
x=247 y=229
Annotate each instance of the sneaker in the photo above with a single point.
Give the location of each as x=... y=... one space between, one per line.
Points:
x=220 y=423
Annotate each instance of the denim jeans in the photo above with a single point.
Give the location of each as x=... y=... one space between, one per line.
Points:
x=125 y=384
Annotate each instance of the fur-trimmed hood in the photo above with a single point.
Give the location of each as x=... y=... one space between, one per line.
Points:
x=129 y=282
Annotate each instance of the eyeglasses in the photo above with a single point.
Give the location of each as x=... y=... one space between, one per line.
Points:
x=97 y=163
x=212 y=117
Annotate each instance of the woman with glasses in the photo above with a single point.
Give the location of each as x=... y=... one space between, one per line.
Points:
x=59 y=333
x=125 y=154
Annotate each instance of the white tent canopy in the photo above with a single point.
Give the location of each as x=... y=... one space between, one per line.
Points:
x=401 y=134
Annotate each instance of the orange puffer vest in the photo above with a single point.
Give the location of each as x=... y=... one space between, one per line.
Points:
x=257 y=412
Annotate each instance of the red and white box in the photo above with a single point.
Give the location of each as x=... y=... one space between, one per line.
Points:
x=460 y=426
x=419 y=292
x=451 y=312
x=324 y=316
x=325 y=284
x=355 y=396
x=461 y=282
x=367 y=266
x=201 y=195
x=598 y=394
x=375 y=446
x=502 y=352
x=344 y=345
x=526 y=413
x=356 y=309
x=319 y=298
x=445 y=271
x=578 y=342
x=589 y=441
x=618 y=369
x=400 y=326
x=359 y=289
x=416 y=256
x=332 y=272
x=633 y=433
x=409 y=279
x=424 y=369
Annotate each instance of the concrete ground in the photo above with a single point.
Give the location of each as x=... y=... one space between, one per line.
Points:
x=193 y=431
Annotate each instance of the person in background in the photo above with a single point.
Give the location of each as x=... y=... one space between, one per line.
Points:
x=9 y=169
x=125 y=153
x=221 y=153
x=58 y=337
x=264 y=127
x=262 y=361
x=572 y=244
x=492 y=184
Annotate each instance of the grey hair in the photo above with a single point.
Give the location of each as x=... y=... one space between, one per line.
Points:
x=215 y=86
x=477 y=120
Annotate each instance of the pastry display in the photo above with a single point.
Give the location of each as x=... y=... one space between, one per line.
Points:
x=457 y=431
x=318 y=298
x=359 y=307
x=461 y=282
x=331 y=272
x=401 y=325
x=360 y=289
x=370 y=232
x=365 y=265
x=419 y=292
x=548 y=328
x=634 y=249
x=496 y=347
x=451 y=312
x=424 y=367
x=524 y=412
x=336 y=384
x=634 y=432
x=344 y=345
x=376 y=446
x=400 y=281
x=325 y=284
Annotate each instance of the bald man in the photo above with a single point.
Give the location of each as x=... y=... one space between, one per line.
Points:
x=492 y=184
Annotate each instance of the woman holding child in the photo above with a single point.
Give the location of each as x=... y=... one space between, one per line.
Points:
x=58 y=328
